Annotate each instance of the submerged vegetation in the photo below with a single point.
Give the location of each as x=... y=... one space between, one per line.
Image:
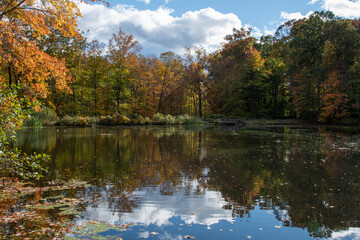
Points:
x=28 y=211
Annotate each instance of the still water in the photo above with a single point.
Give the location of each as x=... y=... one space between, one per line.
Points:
x=208 y=183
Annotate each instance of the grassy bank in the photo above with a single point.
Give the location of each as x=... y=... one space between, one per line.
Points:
x=114 y=120
x=48 y=117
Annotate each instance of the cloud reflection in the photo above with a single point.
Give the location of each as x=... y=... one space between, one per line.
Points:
x=155 y=209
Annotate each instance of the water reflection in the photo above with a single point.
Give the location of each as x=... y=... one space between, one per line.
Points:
x=212 y=179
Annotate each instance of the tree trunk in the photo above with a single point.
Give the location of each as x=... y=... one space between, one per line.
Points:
x=10 y=77
x=200 y=102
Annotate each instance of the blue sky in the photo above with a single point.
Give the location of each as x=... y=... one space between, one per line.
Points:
x=255 y=12
x=171 y=25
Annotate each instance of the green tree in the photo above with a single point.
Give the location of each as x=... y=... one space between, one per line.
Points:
x=340 y=53
x=13 y=163
x=273 y=51
x=169 y=78
x=196 y=75
x=306 y=44
x=239 y=78
x=122 y=56
x=95 y=73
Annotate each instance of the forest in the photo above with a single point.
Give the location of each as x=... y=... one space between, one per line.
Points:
x=309 y=69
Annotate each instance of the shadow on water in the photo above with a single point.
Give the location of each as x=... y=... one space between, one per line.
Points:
x=209 y=178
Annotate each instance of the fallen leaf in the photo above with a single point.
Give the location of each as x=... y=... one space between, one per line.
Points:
x=189 y=237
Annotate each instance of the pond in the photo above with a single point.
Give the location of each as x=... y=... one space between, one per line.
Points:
x=207 y=183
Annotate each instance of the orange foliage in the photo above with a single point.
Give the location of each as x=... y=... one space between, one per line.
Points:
x=334 y=99
x=23 y=24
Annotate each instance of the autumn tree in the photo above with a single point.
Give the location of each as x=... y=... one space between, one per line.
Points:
x=158 y=85
x=339 y=57
x=23 y=24
x=72 y=50
x=196 y=75
x=306 y=43
x=123 y=49
x=144 y=87
x=169 y=80
x=272 y=50
x=95 y=73
x=322 y=52
x=239 y=82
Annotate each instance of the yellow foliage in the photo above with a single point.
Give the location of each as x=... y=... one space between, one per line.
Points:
x=23 y=24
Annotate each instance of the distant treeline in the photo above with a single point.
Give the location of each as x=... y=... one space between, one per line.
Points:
x=309 y=69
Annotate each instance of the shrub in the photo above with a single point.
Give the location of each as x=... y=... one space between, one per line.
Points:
x=193 y=121
x=158 y=119
x=106 y=121
x=147 y=120
x=180 y=120
x=47 y=116
x=121 y=119
x=170 y=120
x=77 y=121
x=82 y=121
x=140 y=120
x=188 y=120
x=14 y=163
x=66 y=121
x=33 y=121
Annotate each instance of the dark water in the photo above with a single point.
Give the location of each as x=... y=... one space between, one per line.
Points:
x=177 y=183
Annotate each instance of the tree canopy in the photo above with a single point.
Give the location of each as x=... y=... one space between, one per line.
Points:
x=308 y=69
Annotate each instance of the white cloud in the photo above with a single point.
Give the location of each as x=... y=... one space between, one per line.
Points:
x=208 y=208
x=256 y=32
x=269 y=31
x=144 y=234
x=296 y=15
x=145 y=1
x=157 y=29
x=351 y=233
x=312 y=2
x=155 y=209
x=343 y=8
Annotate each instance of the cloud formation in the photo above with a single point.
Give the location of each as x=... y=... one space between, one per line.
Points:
x=145 y=1
x=351 y=233
x=343 y=8
x=155 y=209
x=157 y=29
x=296 y=15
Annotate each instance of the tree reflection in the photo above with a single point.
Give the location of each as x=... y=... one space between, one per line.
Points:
x=308 y=178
